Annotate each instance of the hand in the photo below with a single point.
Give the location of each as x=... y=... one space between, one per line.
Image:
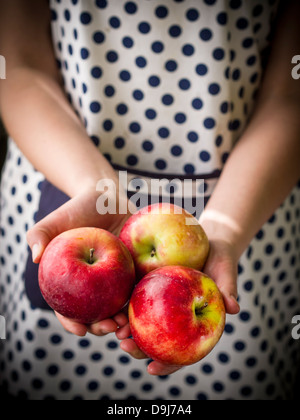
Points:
x=78 y=212
x=221 y=266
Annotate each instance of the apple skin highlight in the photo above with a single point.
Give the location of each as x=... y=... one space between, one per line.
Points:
x=177 y=315
x=87 y=275
x=164 y=235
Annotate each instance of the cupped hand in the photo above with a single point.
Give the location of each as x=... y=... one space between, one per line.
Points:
x=79 y=212
x=221 y=266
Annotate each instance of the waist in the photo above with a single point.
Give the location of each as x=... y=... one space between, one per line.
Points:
x=190 y=192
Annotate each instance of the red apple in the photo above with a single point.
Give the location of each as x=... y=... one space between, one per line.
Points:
x=163 y=235
x=86 y=275
x=177 y=315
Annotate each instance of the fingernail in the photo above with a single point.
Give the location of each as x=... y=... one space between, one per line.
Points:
x=236 y=301
x=35 y=252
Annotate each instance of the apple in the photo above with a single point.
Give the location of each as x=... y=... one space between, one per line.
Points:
x=86 y=275
x=164 y=235
x=177 y=315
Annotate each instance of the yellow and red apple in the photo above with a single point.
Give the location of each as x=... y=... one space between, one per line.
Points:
x=87 y=275
x=177 y=315
x=162 y=235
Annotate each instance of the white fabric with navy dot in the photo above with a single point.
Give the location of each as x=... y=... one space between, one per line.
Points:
x=163 y=86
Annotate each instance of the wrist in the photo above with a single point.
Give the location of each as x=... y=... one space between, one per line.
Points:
x=221 y=228
x=89 y=178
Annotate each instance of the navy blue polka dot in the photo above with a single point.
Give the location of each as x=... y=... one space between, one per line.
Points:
x=205 y=156
x=175 y=31
x=219 y=54
x=167 y=100
x=120 y=143
x=115 y=22
x=193 y=137
x=97 y=72
x=95 y=107
x=144 y=27
x=222 y=18
x=99 y=37
x=128 y=42
x=112 y=56
x=188 y=50
x=192 y=15
x=189 y=169
x=202 y=69
x=164 y=132
x=138 y=95
x=125 y=75
x=197 y=103
x=154 y=81
x=80 y=370
x=242 y=23
x=235 y=375
x=108 y=125
x=85 y=18
x=206 y=34
x=109 y=91
x=214 y=89
x=131 y=7
x=184 y=84
x=175 y=391
x=122 y=109
x=209 y=123
x=161 y=164
x=135 y=127
x=141 y=62
x=235 y=4
x=157 y=47
x=176 y=151
x=180 y=118
x=171 y=65
x=148 y=146
x=151 y=114
x=161 y=12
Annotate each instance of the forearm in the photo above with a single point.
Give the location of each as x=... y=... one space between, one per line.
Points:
x=258 y=176
x=40 y=120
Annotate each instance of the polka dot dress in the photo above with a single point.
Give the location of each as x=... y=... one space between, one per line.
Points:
x=163 y=87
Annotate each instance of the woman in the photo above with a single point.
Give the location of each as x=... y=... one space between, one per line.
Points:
x=175 y=88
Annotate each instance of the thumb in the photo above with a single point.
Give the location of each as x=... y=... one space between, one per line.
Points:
x=42 y=233
x=228 y=287
x=222 y=269
x=38 y=239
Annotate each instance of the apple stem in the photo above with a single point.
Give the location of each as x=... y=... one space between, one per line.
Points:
x=199 y=310
x=92 y=251
x=153 y=253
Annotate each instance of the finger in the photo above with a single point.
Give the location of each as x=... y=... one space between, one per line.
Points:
x=103 y=328
x=38 y=239
x=71 y=326
x=224 y=272
x=130 y=347
x=123 y=332
x=51 y=226
x=121 y=319
x=228 y=287
x=160 y=369
x=231 y=304
x=42 y=233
